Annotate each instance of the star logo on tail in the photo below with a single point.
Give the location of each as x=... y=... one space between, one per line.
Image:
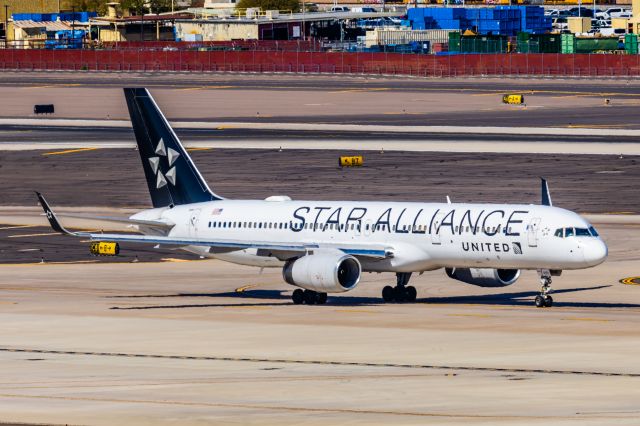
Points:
x=172 y=155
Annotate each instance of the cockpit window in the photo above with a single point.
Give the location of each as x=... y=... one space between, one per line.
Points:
x=582 y=232
x=577 y=232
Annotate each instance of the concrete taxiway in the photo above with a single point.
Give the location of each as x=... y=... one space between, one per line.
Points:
x=207 y=342
x=156 y=336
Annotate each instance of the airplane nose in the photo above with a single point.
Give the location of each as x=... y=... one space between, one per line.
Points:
x=595 y=252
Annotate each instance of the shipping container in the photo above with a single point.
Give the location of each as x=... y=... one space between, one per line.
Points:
x=631 y=44
x=384 y=36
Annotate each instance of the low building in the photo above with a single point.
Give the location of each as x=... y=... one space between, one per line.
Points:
x=138 y=28
x=214 y=25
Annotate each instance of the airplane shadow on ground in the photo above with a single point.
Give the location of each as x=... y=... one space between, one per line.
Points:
x=265 y=298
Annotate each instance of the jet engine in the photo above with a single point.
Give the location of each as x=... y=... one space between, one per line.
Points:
x=323 y=272
x=483 y=277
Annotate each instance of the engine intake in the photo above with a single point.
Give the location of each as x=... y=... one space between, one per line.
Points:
x=325 y=272
x=483 y=277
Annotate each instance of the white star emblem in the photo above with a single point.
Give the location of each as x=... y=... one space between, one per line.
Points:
x=160 y=149
x=173 y=156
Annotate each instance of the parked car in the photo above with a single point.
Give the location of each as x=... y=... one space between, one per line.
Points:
x=583 y=12
x=339 y=9
x=552 y=13
x=560 y=24
x=363 y=10
x=615 y=12
x=609 y=32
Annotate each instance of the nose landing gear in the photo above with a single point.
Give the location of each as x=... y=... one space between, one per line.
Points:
x=400 y=293
x=543 y=300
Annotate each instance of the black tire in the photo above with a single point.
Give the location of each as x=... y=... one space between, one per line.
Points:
x=321 y=298
x=297 y=296
x=310 y=297
x=411 y=293
x=540 y=301
x=400 y=294
x=388 y=294
x=548 y=301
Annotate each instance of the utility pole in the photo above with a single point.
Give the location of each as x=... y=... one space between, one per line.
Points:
x=141 y=22
x=6 y=25
x=73 y=27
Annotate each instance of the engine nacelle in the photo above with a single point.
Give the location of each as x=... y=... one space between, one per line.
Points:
x=324 y=272
x=483 y=277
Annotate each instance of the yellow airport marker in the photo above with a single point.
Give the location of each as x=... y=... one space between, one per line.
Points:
x=69 y=151
x=198 y=149
x=631 y=281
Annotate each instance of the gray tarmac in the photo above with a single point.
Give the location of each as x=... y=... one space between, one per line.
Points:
x=155 y=336
x=202 y=342
x=114 y=177
x=332 y=99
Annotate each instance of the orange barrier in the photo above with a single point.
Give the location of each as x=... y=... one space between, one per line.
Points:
x=323 y=62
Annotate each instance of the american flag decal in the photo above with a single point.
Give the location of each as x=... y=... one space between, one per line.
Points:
x=517 y=249
x=216 y=212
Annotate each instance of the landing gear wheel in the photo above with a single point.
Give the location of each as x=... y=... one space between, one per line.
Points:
x=548 y=301
x=399 y=294
x=540 y=302
x=388 y=294
x=310 y=297
x=411 y=294
x=297 y=296
x=321 y=299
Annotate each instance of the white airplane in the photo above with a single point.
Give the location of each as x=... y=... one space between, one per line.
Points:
x=325 y=246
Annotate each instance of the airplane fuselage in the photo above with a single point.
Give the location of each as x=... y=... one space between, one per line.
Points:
x=419 y=236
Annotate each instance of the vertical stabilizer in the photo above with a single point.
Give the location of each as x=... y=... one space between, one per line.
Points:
x=171 y=176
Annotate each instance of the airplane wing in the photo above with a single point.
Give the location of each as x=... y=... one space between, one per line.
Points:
x=360 y=250
x=122 y=220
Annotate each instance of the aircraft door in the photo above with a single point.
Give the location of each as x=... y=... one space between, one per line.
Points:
x=435 y=228
x=532 y=232
x=194 y=218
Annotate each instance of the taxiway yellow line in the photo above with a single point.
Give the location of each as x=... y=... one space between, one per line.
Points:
x=246 y=287
x=470 y=315
x=69 y=151
x=198 y=149
x=587 y=319
x=32 y=235
x=173 y=259
x=18 y=227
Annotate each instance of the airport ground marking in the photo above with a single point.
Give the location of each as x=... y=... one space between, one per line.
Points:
x=246 y=287
x=19 y=227
x=322 y=362
x=199 y=149
x=471 y=315
x=280 y=407
x=33 y=235
x=69 y=151
x=586 y=319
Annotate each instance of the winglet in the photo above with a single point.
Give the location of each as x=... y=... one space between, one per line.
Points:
x=546 y=196
x=51 y=216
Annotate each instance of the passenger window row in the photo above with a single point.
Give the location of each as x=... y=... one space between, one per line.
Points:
x=339 y=227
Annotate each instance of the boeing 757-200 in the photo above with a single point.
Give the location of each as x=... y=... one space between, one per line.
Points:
x=325 y=246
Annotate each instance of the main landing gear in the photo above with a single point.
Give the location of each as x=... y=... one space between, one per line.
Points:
x=400 y=293
x=543 y=300
x=309 y=297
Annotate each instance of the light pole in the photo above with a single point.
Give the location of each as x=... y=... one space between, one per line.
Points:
x=6 y=24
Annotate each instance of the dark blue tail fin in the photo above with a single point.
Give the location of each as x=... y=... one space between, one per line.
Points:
x=171 y=175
